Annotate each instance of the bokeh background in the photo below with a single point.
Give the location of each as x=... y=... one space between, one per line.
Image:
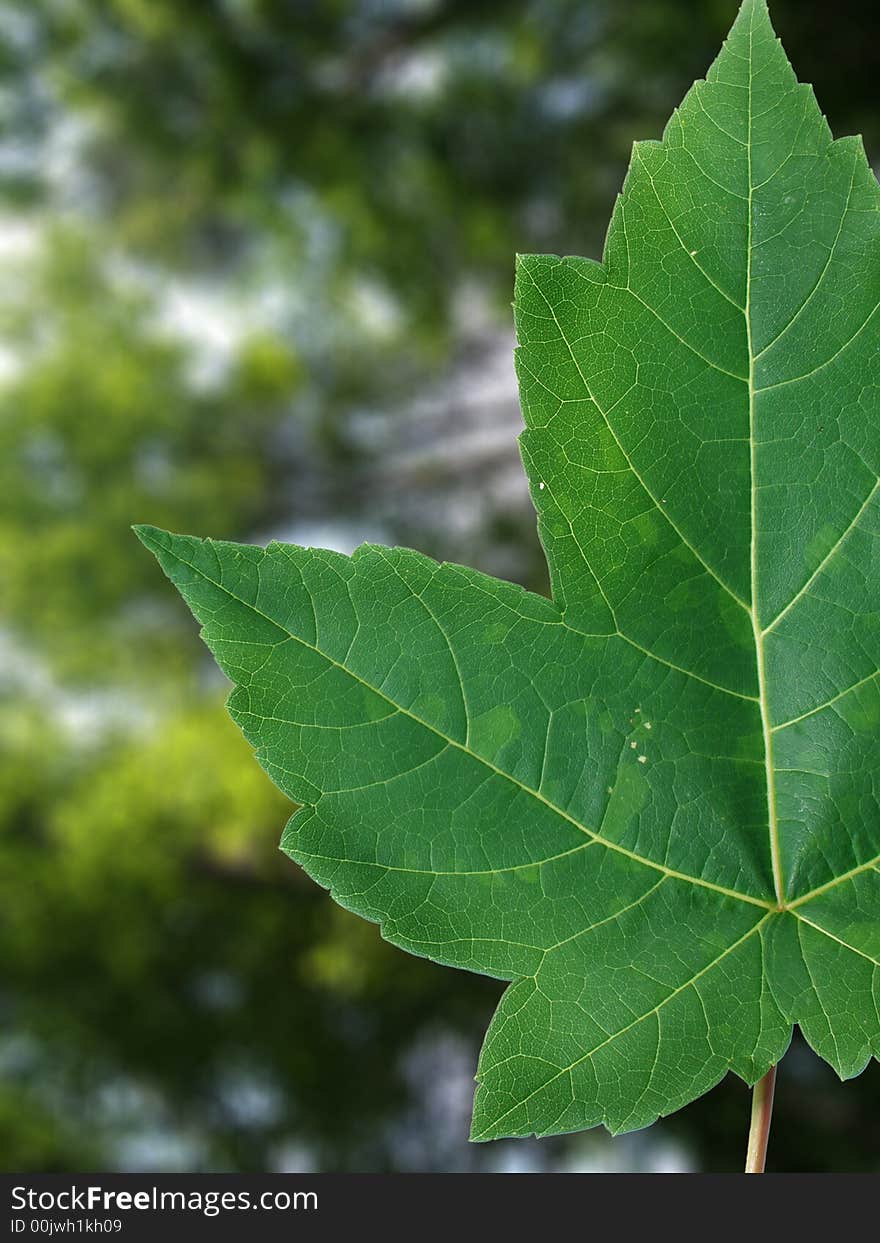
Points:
x=255 y=270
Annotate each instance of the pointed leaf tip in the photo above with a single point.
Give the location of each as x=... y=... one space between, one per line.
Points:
x=754 y=9
x=148 y=535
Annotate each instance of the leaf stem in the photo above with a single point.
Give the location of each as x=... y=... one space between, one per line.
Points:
x=759 y=1128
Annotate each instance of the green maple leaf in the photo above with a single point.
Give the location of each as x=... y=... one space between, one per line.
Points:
x=650 y=803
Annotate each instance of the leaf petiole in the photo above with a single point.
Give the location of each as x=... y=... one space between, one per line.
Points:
x=759 y=1127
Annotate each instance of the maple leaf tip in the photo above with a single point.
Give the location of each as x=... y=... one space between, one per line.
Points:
x=754 y=8
x=148 y=535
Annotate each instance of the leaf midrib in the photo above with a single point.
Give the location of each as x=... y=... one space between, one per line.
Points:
x=763 y=703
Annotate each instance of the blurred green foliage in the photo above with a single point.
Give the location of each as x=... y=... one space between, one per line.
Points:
x=233 y=233
x=98 y=424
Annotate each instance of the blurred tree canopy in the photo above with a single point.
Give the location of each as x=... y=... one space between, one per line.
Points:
x=243 y=243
